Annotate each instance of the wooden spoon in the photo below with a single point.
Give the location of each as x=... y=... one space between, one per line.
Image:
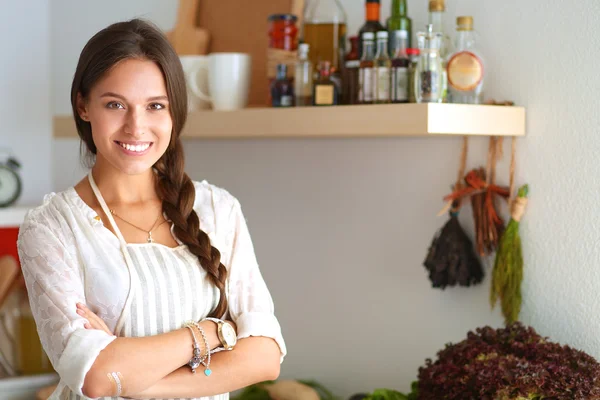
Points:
x=187 y=38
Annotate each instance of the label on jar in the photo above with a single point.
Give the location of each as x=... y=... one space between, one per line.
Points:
x=383 y=84
x=465 y=71
x=400 y=84
x=287 y=101
x=366 y=85
x=324 y=95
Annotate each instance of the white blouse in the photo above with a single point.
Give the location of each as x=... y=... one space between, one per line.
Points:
x=67 y=256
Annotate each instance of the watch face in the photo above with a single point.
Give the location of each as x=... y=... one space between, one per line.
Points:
x=10 y=186
x=229 y=334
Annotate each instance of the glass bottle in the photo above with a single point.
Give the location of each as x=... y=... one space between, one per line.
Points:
x=303 y=77
x=466 y=66
x=282 y=90
x=428 y=79
x=400 y=66
x=325 y=90
x=366 y=84
x=351 y=68
x=399 y=22
x=372 y=24
x=325 y=31
x=413 y=56
x=437 y=9
x=383 y=66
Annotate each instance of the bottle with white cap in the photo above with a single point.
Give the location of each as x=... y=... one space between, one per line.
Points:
x=366 y=75
x=382 y=65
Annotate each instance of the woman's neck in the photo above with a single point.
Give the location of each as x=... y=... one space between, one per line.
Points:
x=119 y=188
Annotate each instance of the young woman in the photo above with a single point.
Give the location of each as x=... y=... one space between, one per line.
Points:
x=144 y=283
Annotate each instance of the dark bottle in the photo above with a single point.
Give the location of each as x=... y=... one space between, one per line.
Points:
x=326 y=91
x=400 y=77
x=282 y=89
x=351 y=68
x=372 y=24
x=399 y=22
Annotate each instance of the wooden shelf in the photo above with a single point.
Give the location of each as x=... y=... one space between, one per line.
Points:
x=11 y=217
x=346 y=121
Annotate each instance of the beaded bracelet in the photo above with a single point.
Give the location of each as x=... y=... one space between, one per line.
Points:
x=196 y=360
x=207 y=370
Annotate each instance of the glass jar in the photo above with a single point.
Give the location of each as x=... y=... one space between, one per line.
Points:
x=429 y=71
x=283 y=32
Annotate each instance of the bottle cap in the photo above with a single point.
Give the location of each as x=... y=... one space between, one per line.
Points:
x=437 y=5
x=281 y=69
x=283 y=17
x=368 y=36
x=382 y=35
x=464 y=23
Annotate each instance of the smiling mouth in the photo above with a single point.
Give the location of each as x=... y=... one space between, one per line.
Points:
x=137 y=148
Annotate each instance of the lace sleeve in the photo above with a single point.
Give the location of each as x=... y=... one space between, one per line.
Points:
x=250 y=303
x=54 y=284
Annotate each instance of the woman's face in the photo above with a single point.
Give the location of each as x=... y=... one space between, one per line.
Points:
x=129 y=113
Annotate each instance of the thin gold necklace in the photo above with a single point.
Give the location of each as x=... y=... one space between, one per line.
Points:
x=149 y=240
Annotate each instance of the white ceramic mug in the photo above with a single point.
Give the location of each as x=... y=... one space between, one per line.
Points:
x=196 y=78
x=228 y=81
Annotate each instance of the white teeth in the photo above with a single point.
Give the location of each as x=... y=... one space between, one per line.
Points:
x=138 y=148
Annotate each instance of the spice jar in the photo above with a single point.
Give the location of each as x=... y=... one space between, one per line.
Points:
x=283 y=32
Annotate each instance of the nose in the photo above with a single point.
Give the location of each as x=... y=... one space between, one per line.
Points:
x=135 y=124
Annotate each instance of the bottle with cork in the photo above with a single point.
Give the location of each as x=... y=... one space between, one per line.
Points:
x=466 y=66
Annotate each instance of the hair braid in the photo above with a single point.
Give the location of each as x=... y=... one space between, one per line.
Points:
x=177 y=192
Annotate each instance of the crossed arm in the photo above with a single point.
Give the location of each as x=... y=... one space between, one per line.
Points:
x=154 y=367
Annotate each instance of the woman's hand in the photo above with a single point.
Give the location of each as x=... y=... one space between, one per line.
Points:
x=94 y=322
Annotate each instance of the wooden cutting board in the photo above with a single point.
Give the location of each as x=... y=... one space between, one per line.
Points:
x=9 y=271
x=242 y=26
x=186 y=37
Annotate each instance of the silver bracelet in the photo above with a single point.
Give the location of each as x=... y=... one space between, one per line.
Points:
x=207 y=370
x=195 y=360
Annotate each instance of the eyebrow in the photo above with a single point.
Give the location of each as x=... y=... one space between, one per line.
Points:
x=154 y=98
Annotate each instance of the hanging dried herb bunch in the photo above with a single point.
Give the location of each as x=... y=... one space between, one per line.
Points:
x=451 y=259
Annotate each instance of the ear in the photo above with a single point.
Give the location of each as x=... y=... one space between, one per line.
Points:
x=82 y=108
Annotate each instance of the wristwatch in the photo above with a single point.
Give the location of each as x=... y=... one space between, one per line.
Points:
x=226 y=333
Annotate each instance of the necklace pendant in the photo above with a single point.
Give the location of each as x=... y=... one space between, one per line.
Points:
x=150 y=240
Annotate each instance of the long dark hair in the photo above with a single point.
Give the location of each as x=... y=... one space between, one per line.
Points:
x=140 y=39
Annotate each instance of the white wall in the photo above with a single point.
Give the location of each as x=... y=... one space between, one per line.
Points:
x=341 y=226
x=25 y=113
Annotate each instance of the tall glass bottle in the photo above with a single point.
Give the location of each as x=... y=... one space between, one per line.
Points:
x=351 y=69
x=303 y=77
x=382 y=65
x=366 y=84
x=372 y=24
x=437 y=9
x=466 y=66
x=399 y=22
x=428 y=75
x=400 y=68
x=325 y=31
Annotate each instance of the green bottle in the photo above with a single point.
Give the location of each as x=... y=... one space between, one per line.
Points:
x=399 y=21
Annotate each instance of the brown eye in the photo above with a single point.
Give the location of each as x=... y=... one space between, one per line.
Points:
x=157 y=106
x=114 y=105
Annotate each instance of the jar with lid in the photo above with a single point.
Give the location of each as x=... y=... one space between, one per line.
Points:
x=283 y=32
x=429 y=71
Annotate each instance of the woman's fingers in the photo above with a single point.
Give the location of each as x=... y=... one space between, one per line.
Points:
x=94 y=322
